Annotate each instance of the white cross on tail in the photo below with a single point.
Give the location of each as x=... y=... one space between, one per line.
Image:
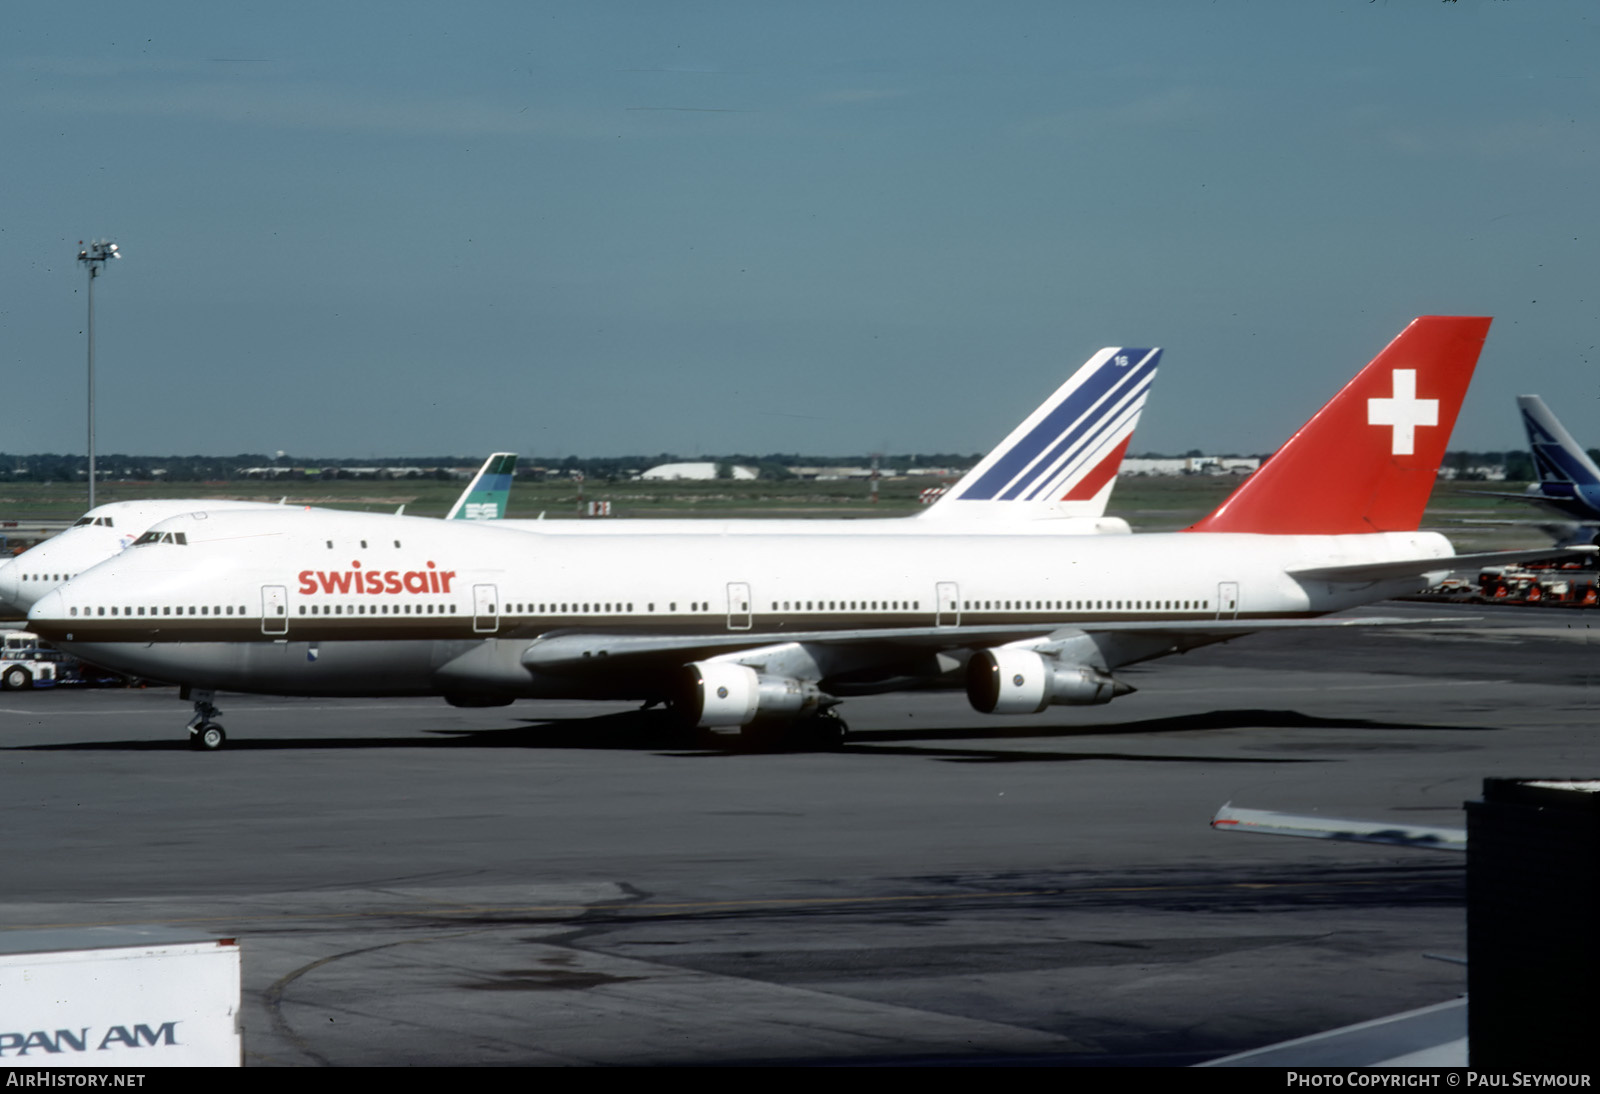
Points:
x=1405 y=412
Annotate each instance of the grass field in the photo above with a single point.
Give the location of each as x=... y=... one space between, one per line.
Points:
x=557 y=499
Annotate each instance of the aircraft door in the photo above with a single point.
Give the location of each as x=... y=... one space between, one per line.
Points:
x=485 y=609
x=1228 y=600
x=739 y=606
x=274 y=609
x=947 y=604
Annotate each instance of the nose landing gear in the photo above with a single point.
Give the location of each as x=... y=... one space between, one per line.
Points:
x=205 y=734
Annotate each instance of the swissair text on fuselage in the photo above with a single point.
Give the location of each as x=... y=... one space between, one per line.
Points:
x=374 y=582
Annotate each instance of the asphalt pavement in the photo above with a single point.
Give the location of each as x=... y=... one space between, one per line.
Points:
x=568 y=883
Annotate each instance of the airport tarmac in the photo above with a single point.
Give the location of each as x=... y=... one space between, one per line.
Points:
x=558 y=883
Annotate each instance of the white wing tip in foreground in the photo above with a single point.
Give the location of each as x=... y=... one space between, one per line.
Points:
x=1266 y=822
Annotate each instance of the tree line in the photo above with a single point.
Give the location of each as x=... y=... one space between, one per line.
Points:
x=53 y=467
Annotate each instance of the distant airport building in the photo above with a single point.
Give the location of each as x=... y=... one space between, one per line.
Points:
x=831 y=474
x=1191 y=465
x=698 y=472
x=354 y=472
x=1484 y=473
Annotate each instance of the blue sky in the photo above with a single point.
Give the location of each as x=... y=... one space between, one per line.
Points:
x=604 y=228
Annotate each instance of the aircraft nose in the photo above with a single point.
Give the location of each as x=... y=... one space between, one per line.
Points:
x=11 y=588
x=48 y=616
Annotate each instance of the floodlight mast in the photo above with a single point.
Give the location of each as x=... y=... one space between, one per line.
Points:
x=94 y=256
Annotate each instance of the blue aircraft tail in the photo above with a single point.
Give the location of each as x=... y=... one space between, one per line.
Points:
x=1063 y=460
x=1556 y=456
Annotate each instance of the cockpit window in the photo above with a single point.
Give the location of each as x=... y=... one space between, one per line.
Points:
x=178 y=538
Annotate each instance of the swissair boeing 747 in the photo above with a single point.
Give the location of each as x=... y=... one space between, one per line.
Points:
x=733 y=630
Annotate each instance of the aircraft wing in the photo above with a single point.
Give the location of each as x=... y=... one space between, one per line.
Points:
x=588 y=650
x=1565 y=533
x=1266 y=822
x=1503 y=494
x=1360 y=572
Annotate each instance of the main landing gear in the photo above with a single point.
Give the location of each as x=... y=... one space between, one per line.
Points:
x=205 y=733
x=821 y=731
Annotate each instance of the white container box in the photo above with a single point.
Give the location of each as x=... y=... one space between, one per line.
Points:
x=123 y=997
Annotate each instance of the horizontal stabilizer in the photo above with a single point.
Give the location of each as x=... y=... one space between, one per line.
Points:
x=1361 y=572
x=1265 y=822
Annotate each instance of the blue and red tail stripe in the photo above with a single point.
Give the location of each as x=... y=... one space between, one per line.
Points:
x=1073 y=434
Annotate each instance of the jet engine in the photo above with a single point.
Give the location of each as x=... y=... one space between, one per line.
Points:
x=724 y=693
x=1023 y=681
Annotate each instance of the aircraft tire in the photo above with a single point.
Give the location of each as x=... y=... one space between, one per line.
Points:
x=209 y=737
x=824 y=731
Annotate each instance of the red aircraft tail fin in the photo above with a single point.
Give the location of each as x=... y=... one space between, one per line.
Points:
x=1366 y=462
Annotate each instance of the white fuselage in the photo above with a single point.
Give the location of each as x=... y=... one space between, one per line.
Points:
x=109 y=529
x=988 y=523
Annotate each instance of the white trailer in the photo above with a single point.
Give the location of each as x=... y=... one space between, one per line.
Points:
x=120 y=997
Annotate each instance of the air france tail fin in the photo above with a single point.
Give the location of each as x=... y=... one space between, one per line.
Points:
x=486 y=495
x=1556 y=456
x=1366 y=462
x=1062 y=461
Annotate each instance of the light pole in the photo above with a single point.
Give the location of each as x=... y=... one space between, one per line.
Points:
x=94 y=256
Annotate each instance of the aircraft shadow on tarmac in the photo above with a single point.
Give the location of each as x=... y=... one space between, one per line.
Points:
x=655 y=731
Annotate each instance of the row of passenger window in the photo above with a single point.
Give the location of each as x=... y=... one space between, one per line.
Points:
x=376 y=609
x=847 y=605
x=595 y=609
x=578 y=609
x=204 y=609
x=777 y=606
x=1088 y=605
x=694 y=606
